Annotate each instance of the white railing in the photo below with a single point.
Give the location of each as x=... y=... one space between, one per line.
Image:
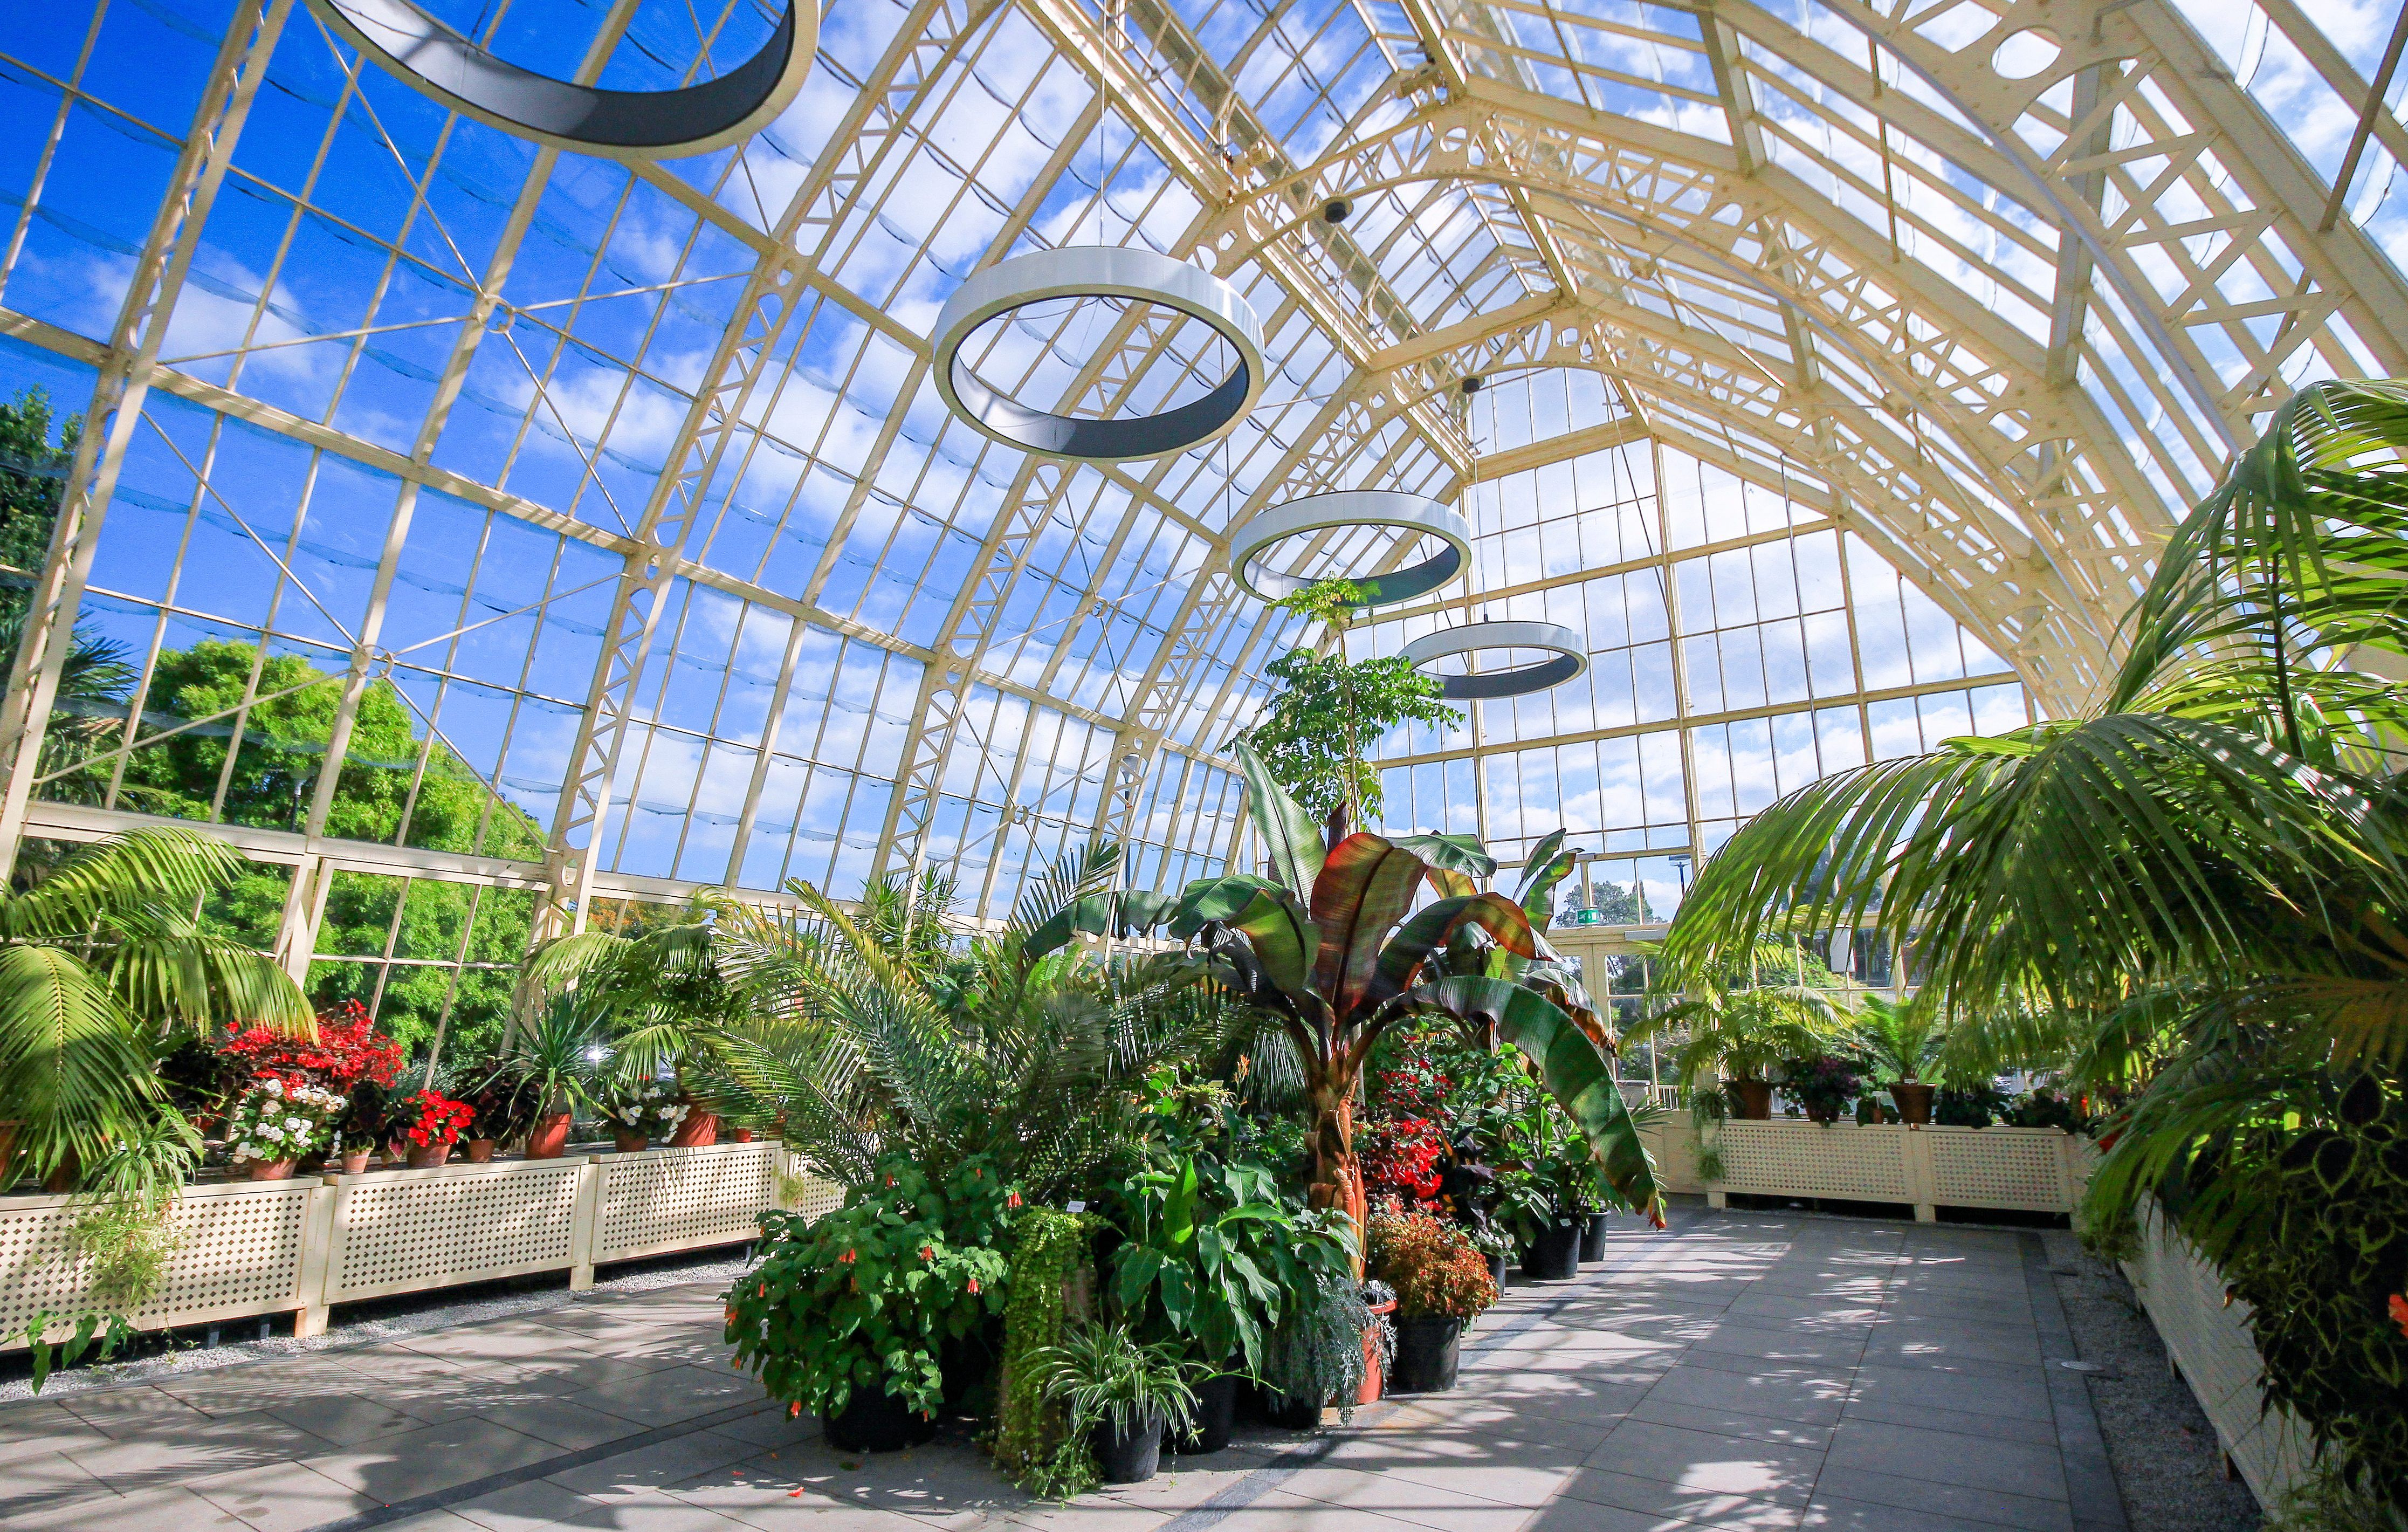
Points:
x=2208 y=1342
x=302 y=1246
x=2021 y=1170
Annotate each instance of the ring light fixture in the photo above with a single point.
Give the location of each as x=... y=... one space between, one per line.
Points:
x=1099 y=271
x=423 y=52
x=1522 y=681
x=1407 y=513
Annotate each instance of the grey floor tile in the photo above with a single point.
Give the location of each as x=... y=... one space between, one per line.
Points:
x=130 y=1412
x=2023 y=1395
x=656 y=1466
x=29 y=1430
x=525 y=1507
x=1974 y=1508
x=1710 y=1464
x=171 y=1510
x=282 y=1497
x=1811 y=1395
x=1974 y=1462
x=1732 y=1423
x=346 y=1420
x=566 y=1424
x=1932 y=1418
x=672 y=1395
x=1663 y=1502
x=442 y=1456
x=39 y=1482
x=182 y=1450
x=651 y=1514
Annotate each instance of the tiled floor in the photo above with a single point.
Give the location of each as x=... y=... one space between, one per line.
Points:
x=1741 y=1371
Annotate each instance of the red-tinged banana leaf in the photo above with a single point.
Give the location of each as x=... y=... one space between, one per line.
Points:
x=1433 y=927
x=1284 y=939
x=1451 y=884
x=1291 y=836
x=1555 y=979
x=1365 y=888
x=1572 y=1066
x=1457 y=853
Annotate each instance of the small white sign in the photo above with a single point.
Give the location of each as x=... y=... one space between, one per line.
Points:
x=1077 y=1207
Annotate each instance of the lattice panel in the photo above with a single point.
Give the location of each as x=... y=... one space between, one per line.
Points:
x=672 y=1198
x=1999 y=1168
x=1803 y=1159
x=2210 y=1342
x=819 y=1199
x=433 y=1229
x=240 y=1254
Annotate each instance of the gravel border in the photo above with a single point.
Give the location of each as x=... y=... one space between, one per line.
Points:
x=394 y=1318
x=2164 y=1452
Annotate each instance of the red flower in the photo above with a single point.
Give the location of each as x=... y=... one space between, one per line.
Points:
x=1013 y=1201
x=927 y=1252
x=974 y=1285
x=845 y=1259
x=2400 y=1311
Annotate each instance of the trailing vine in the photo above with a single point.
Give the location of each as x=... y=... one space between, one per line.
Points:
x=1033 y=1442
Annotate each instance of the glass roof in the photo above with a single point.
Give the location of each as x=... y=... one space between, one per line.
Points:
x=520 y=515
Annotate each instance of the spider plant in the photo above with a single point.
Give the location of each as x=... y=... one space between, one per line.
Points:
x=1102 y=1376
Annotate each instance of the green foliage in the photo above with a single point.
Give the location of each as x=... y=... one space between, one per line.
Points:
x=1900 y=1039
x=1328 y=711
x=32 y=473
x=1546 y=1173
x=866 y=1297
x=1033 y=1444
x=1214 y=1254
x=552 y=1065
x=2329 y=1500
x=95 y=960
x=121 y=1228
x=870 y=1037
x=1102 y=1376
x=1744 y=1021
x=1975 y=1105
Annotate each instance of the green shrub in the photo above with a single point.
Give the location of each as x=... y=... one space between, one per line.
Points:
x=866 y=1297
x=1033 y=1444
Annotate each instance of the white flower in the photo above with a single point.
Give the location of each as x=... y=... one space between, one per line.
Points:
x=677 y=1114
x=294 y=1125
x=270 y=1132
x=629 y=1113
x=272 y=1086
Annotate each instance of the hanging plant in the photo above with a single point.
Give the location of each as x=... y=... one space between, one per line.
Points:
x=1033 y=1444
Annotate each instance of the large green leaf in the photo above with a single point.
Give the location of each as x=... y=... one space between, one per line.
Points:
x=1549 y=865
x=1365 y=888
x=1432 y=928
x=1115 y=912
x=1209 y=899
x=1572 y=1066
x=73 y=1067
x=1291 y=836
x=1456 y=853
x=1284 y=939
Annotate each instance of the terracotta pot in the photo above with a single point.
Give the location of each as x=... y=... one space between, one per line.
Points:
x=739 y=1134
x=630 y=1141
x=548 y=1137
x=1914 y=1102
x=481 y=1151
x=1374 y=1378
x=63 y=1180
x=429 y=1157
x=355 y=1162
x=271 y=1169
x=1752 y=1099
x=699 y=1130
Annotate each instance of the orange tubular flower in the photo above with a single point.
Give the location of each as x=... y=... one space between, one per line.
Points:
x=2400 y=1311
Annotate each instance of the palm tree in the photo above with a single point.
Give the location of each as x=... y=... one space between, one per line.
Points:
x=882 y=1030
x=2202 y=881
x=659 y=992
x=101 y=961
x=1330 y=946
x=1743 y=1023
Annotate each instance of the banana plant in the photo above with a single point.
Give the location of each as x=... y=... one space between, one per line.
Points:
x=1330 y=944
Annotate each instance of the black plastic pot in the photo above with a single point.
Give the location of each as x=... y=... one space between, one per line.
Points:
x=1292 y=1414
x=1217 y=1414
x=876 y=1423
x=1593 y=1238
x=1554 y=1257
x=1428 y=1349
x=1496 y=1272
x=1128 y=1458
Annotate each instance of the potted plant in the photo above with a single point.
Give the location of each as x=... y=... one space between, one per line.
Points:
x=849 y=1315
x=500 y=1110
x=1824 y=1085
x=1315 y=1355
x=274 y=1124
x=1442 y=1282
x=1379 y=1340
x=1743 y=1026
x=1546 y=1194
x=640 y=1110
x=366 y=1123
x=1902 y=1039
x=428 y=1122
x=551 y=1063
x=1124 y=1395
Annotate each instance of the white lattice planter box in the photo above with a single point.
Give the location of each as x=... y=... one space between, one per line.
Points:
x=2209 y=1343
x=303 y=1246
x=2022 y=1169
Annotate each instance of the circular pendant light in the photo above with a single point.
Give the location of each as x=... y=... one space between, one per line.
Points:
x=431 y=57
x=1407 y=513
x=1522 y=681
x=1099 y=271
